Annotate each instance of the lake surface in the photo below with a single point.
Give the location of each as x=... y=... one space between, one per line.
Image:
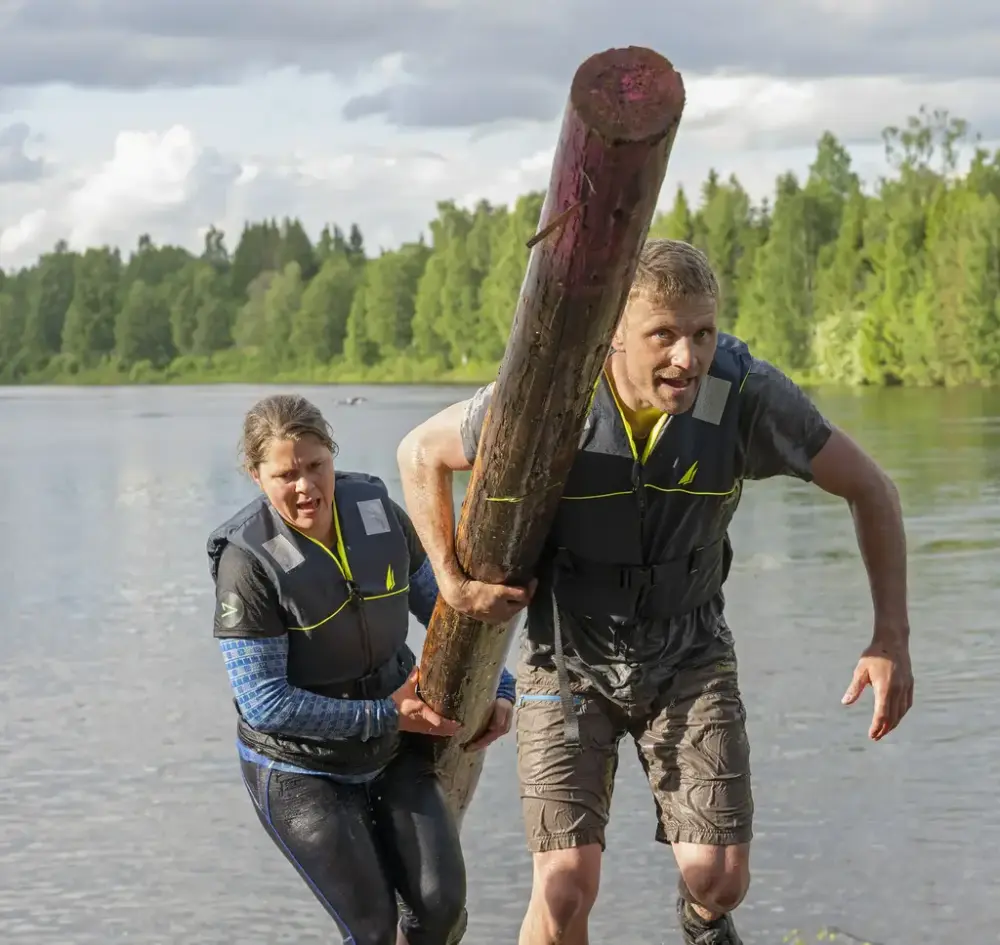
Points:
x=122 y=813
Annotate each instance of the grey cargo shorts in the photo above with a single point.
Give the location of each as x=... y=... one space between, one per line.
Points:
x=694 y=751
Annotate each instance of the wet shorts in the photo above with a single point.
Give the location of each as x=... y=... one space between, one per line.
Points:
x=694 y=751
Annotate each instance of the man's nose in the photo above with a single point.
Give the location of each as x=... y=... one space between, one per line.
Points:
x=682 y=354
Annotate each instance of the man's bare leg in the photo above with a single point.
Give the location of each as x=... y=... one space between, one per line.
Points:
x=563 y=892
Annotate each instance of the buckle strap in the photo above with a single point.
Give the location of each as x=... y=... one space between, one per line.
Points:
x=638 y=577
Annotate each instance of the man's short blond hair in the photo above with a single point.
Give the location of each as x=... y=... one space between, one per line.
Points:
x=672 y=271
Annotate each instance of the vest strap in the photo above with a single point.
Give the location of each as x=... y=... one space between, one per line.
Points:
x=625 y=590
x=637 y=577
x=571 y=725
x=381 y=683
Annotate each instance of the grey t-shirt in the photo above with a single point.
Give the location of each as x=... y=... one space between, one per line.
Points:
x=781 y=430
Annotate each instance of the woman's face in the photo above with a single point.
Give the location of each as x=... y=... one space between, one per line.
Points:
x=297 y=478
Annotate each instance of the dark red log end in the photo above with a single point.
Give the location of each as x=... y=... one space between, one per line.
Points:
x=630 y=94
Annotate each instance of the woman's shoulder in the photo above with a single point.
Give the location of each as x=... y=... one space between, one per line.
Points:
x=239 y=569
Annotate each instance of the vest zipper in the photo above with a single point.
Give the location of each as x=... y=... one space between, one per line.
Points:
x=639 y=487
x=366 y=644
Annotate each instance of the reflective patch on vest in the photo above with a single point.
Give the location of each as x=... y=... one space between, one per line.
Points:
x=373 y=516
x=285 y=554
x=711 y=401
x=231 y=610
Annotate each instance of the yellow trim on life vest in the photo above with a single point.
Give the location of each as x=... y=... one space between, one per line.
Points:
x=344 y=566
x=651 y=442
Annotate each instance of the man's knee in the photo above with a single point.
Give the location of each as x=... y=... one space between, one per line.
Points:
x=566 y=884
x=716 y=878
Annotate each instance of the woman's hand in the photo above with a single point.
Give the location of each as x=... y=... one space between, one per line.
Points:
x=503 y=713
x=415 y=715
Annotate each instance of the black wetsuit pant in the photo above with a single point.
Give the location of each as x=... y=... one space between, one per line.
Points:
x=361 y=848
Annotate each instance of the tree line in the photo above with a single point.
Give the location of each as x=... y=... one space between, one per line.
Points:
x=896 y=283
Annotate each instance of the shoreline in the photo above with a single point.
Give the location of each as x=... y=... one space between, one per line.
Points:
x=333 y=377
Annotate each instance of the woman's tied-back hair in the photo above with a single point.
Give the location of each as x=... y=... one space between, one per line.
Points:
x=281 y=417
x=671 y=271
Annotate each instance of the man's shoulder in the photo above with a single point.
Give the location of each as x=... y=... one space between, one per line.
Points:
x=767 y=383
x=781 y=429
x=473 y=417
x=730 y=344
x=477 y=405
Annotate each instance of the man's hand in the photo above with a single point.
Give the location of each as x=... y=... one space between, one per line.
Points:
x=491 y=603
x=888 y=672
x=503 y=713
x=415 y=715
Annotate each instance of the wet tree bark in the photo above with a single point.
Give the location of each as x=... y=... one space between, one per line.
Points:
x=618 y=129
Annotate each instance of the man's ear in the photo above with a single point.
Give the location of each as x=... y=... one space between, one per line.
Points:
x=618 y=339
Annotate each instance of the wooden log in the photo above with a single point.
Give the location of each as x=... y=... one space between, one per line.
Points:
x=618 y=129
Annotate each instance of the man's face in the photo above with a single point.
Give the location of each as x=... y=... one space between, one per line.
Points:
x=667 y=350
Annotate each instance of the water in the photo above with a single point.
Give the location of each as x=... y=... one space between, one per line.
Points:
x=122 y=814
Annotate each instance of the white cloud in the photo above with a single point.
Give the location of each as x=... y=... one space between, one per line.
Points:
x=764 y=112
x=148 y=174
x=21 y=240
x=175 y=177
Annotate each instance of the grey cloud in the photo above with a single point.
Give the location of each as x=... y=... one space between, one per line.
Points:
x=481 y=61
x=125 y=44
x=16 y=166
x=445 y=105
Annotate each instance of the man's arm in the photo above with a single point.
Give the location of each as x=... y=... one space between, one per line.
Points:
x=428 y=457
x=844 y=469
x=784 y=434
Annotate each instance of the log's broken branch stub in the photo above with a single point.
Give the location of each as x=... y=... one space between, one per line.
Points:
x=618 y=129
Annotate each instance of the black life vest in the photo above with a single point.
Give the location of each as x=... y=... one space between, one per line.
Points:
x=347 y=612
x=643 y=533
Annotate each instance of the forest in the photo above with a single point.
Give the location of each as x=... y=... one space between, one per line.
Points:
x=836 y=280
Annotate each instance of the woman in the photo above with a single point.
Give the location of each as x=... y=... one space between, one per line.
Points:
x=315 y=580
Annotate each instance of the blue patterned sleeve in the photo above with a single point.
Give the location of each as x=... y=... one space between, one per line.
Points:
x=423 y=592
x=254 y=643
x=508 y=686
x=257 y=669
x=423 y=596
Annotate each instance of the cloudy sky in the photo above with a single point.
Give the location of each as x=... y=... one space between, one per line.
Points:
x=119 y=117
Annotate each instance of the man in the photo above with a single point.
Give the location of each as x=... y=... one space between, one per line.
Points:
x=626 y=632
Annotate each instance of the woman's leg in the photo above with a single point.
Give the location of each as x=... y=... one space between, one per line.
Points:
x=421 y=847
x=326 y=832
